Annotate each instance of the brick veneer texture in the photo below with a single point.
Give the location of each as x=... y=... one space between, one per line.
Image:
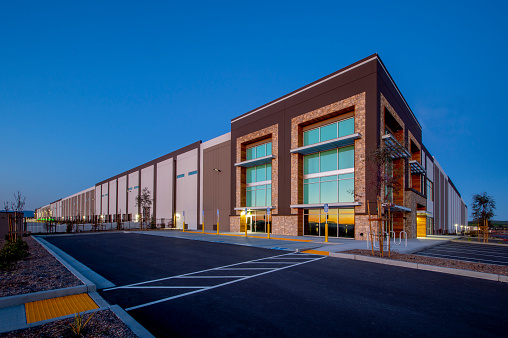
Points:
x=411 y=199
x=242 y=142
x=355 y=104
x=234 y=223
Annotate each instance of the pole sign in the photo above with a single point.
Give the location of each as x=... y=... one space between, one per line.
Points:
x=217 y=212
x=326 y=207
x=203 y=213
x=268 y=211
x=245 y=211
x=183 y=213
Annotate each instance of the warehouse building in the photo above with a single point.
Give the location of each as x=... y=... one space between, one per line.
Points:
x=282 y=162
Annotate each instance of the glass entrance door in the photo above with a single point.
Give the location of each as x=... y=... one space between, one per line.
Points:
x=256 y=221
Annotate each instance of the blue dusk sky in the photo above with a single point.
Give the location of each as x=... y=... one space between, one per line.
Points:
x=89 y=89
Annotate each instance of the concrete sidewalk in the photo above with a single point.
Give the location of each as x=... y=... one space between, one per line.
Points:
x=300 y=243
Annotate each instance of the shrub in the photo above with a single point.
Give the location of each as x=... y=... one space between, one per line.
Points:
x=12 y=252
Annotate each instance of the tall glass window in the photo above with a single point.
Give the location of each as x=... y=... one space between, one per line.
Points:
x=341 y=222
x=261 y=150
x=329 y=131
x=329 y=176
x=259 y=187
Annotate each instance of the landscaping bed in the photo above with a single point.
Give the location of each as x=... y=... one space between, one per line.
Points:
x=40 y=271
x=103 y=324
x=443 y=262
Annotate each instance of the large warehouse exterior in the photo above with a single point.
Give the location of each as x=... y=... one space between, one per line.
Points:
x=284 y=161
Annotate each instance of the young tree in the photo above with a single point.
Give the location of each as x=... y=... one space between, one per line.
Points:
x=483 y=208
x=144 y=200
x=387 y=180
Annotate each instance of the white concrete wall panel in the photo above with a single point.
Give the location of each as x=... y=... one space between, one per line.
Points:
x=112 y=197
x=98 y=200
x=164 y=196
x=122 y=195
x=429 y=167
x=133 y=190
x=147 y=182
x=104 y=200
x=187 y=189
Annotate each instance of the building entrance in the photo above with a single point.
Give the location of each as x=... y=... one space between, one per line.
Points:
x=256 y=221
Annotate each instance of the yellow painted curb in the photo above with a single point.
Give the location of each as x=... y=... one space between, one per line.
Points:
x=58 y=307
x=262 y=237
x=317 y=252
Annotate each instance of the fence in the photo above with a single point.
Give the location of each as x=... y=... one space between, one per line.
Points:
x=65 y=227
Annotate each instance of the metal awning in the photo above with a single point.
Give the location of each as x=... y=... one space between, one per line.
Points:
x=395 y=207
x=256 y=161
x=255 y=208
x=327 y=145
x=417 y=168
x=395 y=148
x=321 y=206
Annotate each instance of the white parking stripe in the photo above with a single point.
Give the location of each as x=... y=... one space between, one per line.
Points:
x=223 y=284
x=462 y=258
x=465 y=252
x=193 y=273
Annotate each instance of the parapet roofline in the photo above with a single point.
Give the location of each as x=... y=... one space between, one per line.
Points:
x=327 y=78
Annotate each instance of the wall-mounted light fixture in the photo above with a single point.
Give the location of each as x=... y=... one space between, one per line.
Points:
x=217 y=169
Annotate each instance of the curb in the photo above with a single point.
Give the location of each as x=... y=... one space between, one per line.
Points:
x=90 y=287
x=41 y=295
x=478 y=243
x=418 y=266
x=409 y=252
x=137 y=328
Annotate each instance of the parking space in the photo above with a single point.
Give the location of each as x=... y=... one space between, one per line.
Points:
x=470 y=252
x=177 y=287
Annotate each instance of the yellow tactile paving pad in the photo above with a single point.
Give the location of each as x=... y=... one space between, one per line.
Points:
x=58 y=307
x=317 y=252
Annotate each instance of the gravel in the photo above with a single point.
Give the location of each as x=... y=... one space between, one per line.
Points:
x=38 y=272
x=447 y=263
x=103 y=324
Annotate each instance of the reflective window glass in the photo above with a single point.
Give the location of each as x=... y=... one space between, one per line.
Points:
x=346 y=127
x=328 y=160
x=329 y=192
x=311 y=137
x=346 y=190
x=328 y=178
x=251 y=153
x=311 y=164
x=260 y=197
x=261 y=150
x=311 y=180
x=346 y=176
x=251 y=175
x=260 y=173
x=311 y=193
x=269 y=195
x=268 y=172
x=328 y=132
x=250 y=198
x=269 y=148
x=347 y=157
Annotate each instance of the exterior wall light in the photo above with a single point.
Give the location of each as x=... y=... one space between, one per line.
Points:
x=218 y=170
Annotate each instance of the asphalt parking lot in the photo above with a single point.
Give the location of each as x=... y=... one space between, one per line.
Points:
x=177 y=287
x=470 y=252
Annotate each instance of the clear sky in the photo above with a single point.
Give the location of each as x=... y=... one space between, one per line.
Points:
x=89 y=89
